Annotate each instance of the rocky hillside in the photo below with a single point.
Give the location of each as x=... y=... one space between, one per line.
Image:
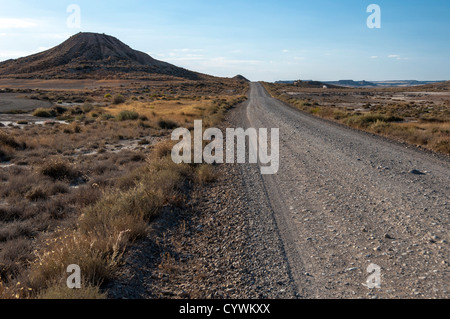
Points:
x=92 y=55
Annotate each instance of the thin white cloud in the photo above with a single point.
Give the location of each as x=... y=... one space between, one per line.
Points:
x=397 y=57
x=216 y=61
x=188 y=50
x=285 y=51
x=17 y=23
x=222 y=61
x=185 y=58
x=374 y=57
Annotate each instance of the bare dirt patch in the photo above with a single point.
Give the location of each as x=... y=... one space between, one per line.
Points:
x=10 y=102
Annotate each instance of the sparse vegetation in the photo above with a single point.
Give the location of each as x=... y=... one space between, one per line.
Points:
x=9 y=141
x=128 y=116
x=205 y=174
x=59 y=169
x=368 y=120
x=426 y=124
x=5 y=155
x=43 y=113
x=167 y=124
x=118 y=99
x=82 y=192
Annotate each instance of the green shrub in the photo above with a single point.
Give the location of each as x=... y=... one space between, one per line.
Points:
x=365 y=120
x=128 y=116
x=107 y=116
x=41 y=112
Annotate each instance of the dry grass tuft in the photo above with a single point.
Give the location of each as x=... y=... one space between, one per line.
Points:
x=97 y=257
x=205 y=174
x=7 y=140
x=59 y=291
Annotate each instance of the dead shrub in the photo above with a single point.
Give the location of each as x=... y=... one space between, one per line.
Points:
x=131 y=179
x=163 y=149
x=36 y=194
x=59 y=169
x=15 y=230
x=57 y=188
x=84 y=196
x=443 y=146
x=19 y=184
x=118 y=99
x=14 y=255
x=167 y=124
x=6 y=153
x=8 y=140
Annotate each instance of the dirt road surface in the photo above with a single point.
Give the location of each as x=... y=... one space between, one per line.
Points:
x=344 y=200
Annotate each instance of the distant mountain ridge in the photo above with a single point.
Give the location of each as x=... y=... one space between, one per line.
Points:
x=92 y=55
x=399 y=83
x=352 y=83
x=367 y=84
x=308 y=84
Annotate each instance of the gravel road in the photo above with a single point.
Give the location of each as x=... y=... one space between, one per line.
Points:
x=344 y=199
x=341 y=201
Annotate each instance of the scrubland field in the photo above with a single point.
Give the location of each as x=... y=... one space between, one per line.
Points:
x=85 y=169
x=416 y=115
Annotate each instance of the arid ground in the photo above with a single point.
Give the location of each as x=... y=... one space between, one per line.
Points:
x=86 y=178
x=68 y=147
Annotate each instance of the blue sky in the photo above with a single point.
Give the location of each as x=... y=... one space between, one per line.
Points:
x=262 y=40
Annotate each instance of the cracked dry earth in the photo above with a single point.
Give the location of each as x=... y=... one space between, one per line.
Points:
x=341 y=201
